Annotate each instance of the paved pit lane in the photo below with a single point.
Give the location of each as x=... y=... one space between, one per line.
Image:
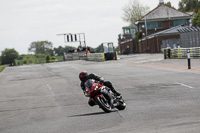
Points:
x=161 y=95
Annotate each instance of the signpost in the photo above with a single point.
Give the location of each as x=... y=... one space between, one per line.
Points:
x=78 y=37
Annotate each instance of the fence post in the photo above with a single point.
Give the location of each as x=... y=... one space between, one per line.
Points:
x=165 y=54
x=169 y=53
x=188 y=56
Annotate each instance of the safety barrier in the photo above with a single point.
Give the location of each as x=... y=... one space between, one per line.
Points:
x=181 y=53
x=91 y=57
x=75 y=56
x=96 y=57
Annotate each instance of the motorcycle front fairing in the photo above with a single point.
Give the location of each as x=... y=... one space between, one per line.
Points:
x=91 y=87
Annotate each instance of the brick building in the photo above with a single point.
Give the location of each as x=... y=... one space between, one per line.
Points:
x=161 y=24
x=152 y=25
x=153 y=42
x=126 y=40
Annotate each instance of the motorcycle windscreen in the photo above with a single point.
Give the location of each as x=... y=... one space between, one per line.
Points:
x=88 y=84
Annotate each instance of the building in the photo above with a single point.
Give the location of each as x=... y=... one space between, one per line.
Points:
x=153 y=23
x=126 y=40
x=161 y=24
x=163 y=39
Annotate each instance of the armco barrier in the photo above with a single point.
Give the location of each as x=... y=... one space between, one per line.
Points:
x=68 y=57
x=75 y=56
x=96 y=57
x=82 y=56
x=181 y=53
x=90 y=57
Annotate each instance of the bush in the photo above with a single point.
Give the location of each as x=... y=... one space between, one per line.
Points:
x=25 y=62
x=48 y=58
x=53 y=59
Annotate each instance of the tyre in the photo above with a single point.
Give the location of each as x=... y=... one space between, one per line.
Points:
x=104 y=105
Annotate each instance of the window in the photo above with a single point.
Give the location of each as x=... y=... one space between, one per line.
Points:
x=160 y=25
x=154 y=25
x=133 y=31
x=127 y=31
x=171 y=23
x=151 y=25
x=178 y=22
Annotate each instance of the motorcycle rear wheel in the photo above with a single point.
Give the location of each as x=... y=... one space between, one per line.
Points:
x=103 y=105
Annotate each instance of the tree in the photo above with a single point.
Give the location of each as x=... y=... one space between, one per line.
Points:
x=92 y=50
x=138 y=36
x=69 y=48
x=189 y=5
x=98 y=49
x=41 y=47
x=59 y=51
x=133 y=11
x=169 y=4
x=196 y=19
x=8 y=56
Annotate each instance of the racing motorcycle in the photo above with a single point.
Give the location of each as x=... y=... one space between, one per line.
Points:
x=102 y=96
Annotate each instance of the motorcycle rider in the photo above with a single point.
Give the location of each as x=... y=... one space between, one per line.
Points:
x=84 y=76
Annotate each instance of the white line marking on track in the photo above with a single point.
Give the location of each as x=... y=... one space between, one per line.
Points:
x=48 y=86
x=184 y=85
x=75 y=68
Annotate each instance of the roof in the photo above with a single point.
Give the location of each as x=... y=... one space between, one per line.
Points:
x=188 y=29
x=130 y=27
x=164 y=12
x=173 y=30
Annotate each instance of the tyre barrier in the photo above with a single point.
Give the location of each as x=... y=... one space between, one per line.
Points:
x=181 y=53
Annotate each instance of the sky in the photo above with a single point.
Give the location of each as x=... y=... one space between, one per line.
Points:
x=25 y=21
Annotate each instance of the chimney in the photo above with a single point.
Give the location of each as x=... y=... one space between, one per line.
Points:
x=161 y=2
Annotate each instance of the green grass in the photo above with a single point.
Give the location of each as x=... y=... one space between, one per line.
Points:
x=60 y=58
x=31 y=59
x=1 y=68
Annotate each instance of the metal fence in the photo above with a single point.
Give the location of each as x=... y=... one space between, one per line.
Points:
x=190 y=39
x=170 y=43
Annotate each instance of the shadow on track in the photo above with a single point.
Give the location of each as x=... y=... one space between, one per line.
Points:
x=89 y=114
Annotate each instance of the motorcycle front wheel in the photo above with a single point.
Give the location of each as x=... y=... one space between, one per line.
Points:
x=103 y=104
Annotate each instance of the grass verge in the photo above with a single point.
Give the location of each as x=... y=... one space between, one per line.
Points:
x=1 y=68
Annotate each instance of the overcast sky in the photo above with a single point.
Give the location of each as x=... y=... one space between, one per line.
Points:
x=25 y=21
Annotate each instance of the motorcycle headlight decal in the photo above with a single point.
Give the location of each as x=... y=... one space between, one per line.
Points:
x=96 y=87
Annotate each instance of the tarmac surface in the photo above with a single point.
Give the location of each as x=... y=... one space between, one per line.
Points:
x=162 y=96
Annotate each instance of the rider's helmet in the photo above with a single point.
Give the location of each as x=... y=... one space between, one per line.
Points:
x=83 y=76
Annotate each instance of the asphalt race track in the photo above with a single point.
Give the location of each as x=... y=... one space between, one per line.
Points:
x=162 y=96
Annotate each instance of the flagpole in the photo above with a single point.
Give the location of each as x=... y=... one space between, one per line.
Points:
x=146 y=25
